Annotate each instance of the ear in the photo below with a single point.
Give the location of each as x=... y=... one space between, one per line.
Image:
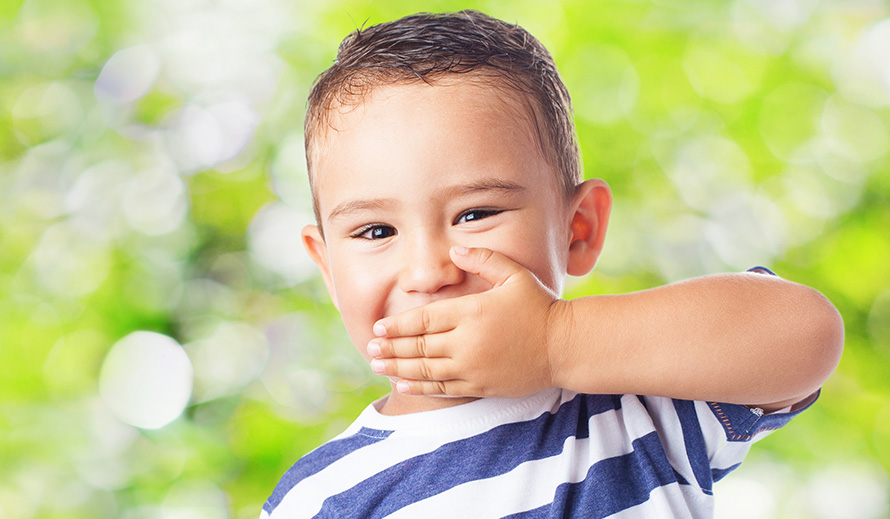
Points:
x=315 y=245
x=590 y=209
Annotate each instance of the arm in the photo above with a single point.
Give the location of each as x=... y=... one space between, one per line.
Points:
x=737 y=338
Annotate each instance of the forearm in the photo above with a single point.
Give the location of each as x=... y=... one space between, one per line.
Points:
x=738 y=338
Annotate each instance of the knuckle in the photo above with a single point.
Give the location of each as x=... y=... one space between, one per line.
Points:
x=485 y=254
x=425 y=318
x=441 y=387
x=422 y=346
x=426 y=371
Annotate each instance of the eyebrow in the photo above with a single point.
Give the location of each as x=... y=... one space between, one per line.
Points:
x=353 y=206
x=486 y=184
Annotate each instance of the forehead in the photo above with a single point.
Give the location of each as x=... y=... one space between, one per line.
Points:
x=466 y=126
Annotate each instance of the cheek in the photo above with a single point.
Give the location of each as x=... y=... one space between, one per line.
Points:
x=548 y=267
x=362 y=294
x=538 y=246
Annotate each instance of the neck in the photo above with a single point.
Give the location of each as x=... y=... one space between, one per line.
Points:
x=397 y=403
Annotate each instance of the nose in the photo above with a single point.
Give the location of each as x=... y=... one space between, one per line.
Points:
x=427 y=267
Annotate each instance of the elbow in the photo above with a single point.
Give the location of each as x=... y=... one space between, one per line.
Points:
x=825 y=337
x=815 y=344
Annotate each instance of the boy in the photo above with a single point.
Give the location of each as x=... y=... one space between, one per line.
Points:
x=450 y=206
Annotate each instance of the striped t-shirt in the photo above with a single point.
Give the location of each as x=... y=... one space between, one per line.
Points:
x=554 y=454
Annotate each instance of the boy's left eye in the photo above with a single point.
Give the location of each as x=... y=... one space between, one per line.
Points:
x=476 y=214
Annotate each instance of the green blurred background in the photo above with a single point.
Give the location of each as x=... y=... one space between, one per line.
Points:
x=166 y=348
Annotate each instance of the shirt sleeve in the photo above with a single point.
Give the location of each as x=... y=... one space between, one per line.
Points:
x=739 y=427
x=743 y=424
x=761 y=270
x=705 y=441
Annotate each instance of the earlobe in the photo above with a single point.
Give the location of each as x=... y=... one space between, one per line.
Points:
x=590 y=208
x=315 y=245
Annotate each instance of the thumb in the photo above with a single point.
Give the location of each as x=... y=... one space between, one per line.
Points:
x=491 y=266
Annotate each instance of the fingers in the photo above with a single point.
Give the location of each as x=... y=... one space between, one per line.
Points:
x=434 y=388
x=491 y=266
x=430 y=346
x=416 y=369
x=437 y=317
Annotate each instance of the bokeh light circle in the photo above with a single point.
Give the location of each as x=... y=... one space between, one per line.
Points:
x=146 y=379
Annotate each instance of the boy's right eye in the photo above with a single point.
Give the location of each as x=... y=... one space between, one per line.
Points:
x=374 y=232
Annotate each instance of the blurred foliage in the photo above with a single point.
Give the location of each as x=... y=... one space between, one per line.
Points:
x=152 y=180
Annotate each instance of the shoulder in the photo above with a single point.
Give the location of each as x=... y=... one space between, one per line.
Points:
x=307 y=474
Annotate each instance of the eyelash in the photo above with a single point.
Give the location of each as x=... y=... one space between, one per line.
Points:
x=485 y=212
x=362 y=231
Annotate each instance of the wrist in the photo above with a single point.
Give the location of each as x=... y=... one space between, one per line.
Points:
x=558 y=338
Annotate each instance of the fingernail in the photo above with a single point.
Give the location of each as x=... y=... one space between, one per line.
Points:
x=377 y=366
x=373 y=349
x=460 y=250
x=379 y=329
x=403 y=387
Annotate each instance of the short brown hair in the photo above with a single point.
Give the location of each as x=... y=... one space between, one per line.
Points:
x=425 y=47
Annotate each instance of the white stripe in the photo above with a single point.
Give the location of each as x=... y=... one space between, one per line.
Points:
x=307 y=498
x=722 y=452
x=671 y=434
x=660 y=416
x=715 y=435
x=531 y=484
x=669 y=502
x=309 y=495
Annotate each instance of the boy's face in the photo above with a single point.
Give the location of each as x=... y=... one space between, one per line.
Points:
x=416 y=169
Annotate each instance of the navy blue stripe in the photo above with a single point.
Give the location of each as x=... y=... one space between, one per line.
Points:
x=718 y=474
x=741 y=423
x=680 y=478
x=696 y=451
x=319 y=459
x=737 y=420
x=486 y=455
x=640 y=472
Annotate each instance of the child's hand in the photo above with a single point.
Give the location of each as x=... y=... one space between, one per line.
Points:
x=493 y=343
